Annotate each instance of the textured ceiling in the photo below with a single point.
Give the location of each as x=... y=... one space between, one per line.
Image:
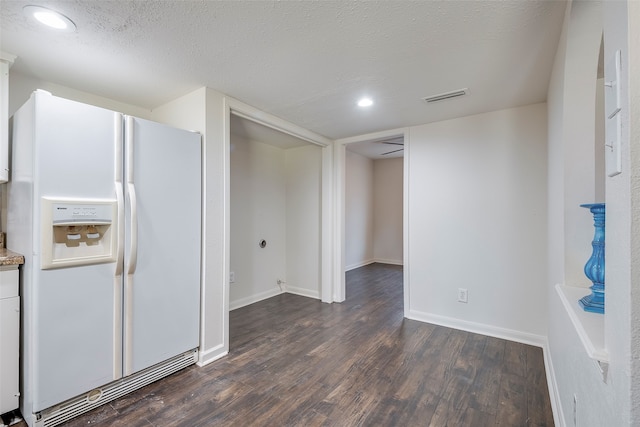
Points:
x=304 y=61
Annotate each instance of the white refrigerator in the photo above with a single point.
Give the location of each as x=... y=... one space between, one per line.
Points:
x=106 y=209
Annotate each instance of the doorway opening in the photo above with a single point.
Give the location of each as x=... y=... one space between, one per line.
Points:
x=374 y=204
x=267 y=123
x=275 y=214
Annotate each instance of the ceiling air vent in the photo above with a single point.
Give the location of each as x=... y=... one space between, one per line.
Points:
x=446 y=95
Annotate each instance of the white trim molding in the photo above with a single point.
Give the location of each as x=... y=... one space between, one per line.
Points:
x=358 y=264
x=479 y=328
x=248 y=112
x=303 y=292
x=389 y=261
x=552 y=385
x=242 y=302
x=211 y=355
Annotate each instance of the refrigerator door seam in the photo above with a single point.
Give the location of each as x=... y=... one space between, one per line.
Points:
x=132 y=232
x=117 y=280
x=119 y=192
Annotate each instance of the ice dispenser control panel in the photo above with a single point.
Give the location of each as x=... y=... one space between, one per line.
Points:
x=78 y=232
x=63 y=213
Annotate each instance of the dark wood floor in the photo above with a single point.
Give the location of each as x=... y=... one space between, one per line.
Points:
x=294 y=361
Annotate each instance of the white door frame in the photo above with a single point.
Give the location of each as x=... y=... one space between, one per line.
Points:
x=240 y=109
x=340 y=165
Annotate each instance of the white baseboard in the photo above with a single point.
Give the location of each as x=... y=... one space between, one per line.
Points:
x=358 y=265
x=389 y=261
x=208 y=356
x=302 y=292
x=254 y=298
x=552 y=384
x=372 y=261
x=479 y=328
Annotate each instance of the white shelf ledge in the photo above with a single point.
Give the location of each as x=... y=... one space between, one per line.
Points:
x=590 y=326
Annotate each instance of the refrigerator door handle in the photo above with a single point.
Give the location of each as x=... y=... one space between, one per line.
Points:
x=133 y=249
x=120 y=245
x=132 y=256
x=131 y=193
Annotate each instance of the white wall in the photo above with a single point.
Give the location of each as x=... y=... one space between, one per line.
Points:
x=373 y=210
x=555 y=166
x=387 y=210
x=579 y=140
x=573 y=178
x=600 y=162
x=477 y=212
x=258 y=209
x=186 y=112
x=303 y=215
x=632 y=275
x=359 y=211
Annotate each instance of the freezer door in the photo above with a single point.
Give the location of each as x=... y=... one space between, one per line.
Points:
x=163 y=243
x=72 y=315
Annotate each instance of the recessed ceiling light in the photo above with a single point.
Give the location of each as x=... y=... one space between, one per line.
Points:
x=50 y=18
x=365 y=102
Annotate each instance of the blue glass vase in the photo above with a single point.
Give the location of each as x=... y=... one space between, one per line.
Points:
x=594 y=268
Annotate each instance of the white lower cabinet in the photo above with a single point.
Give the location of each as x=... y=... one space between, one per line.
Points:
x=9 y=338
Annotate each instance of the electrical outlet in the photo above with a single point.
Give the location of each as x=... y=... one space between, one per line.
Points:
x=232 y=277
x=462 y=295
x=575 y=410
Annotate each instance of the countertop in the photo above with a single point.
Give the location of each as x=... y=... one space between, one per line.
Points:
x=10 y=258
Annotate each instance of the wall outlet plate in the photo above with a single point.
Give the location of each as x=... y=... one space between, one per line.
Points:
x=462 y=295
x=232 y=277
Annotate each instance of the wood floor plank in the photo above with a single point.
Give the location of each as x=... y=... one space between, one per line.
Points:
x=477 y=418
x=515 y=358
x=512 y=402
x=294 y=361
x=486 y=386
